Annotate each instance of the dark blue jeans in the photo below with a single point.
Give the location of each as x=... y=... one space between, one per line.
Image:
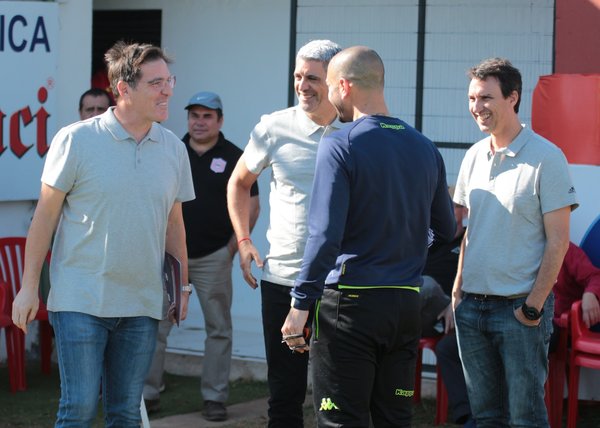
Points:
x=118 y=351
x=505 y=362
x=286 y=371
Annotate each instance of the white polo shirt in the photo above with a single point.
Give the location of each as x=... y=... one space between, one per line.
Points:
x=286 y=141
x=507 y=194
x=109 y=246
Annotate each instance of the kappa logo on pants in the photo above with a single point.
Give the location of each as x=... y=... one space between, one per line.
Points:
x=327 y=404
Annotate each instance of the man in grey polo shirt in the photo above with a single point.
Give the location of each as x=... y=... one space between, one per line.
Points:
x=519 y=195
x=286 y=141
x=116 y=182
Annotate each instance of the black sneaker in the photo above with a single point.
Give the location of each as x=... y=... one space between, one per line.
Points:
x=152 y=406
x=214 y=411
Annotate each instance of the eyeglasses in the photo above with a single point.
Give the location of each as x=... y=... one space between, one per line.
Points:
x=160 y=83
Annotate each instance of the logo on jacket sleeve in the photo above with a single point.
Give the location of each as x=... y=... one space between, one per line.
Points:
x=218 y=165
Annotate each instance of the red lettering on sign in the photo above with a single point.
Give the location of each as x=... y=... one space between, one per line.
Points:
x=21 y=119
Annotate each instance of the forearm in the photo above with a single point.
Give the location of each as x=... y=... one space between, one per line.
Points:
x=457 y=287
x=238 y=203
x=551 y=261
x=36 y=250
x=556 y=227
x=232 y=244
x=39 y=237
x=254 y=211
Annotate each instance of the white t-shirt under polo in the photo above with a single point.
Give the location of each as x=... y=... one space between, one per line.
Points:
x=286 y=141
x=507 y=194
x=109 y=247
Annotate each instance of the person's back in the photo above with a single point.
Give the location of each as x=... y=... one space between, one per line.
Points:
x=389 y=203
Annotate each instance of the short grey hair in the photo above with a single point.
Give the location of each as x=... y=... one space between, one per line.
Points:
x=318 y=50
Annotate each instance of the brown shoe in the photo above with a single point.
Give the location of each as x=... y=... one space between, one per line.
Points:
x=214 y=411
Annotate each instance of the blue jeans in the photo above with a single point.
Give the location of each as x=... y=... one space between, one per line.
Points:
x=505 y=362
x=116 y=351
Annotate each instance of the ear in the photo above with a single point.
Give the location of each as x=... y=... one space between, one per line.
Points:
x=513 y=97
x=122 y=87
x=345 y=86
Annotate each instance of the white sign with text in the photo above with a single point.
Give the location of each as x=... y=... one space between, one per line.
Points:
x=29 y=57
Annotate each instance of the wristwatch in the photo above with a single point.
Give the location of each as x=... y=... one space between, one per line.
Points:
x=531 y=313
x=187 y=288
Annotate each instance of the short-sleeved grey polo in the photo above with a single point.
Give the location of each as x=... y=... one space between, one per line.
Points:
x=507 y=194
x=287 y=141
x=109 y=246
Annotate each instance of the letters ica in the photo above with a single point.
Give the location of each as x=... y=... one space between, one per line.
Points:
x=18 y=34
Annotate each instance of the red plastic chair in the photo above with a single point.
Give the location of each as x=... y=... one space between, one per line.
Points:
x=585 y=352
x=441 y=402
x=14 y=343
x=12 y=258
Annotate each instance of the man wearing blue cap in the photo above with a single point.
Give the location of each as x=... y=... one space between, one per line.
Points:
x=211 y=245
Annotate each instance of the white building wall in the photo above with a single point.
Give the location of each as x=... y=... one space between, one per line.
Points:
x=459 y=34
x=389 y=27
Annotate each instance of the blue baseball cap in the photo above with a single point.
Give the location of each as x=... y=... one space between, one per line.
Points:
x=205 y=99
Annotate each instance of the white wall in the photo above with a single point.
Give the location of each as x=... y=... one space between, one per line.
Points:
x=236 y=48
x=388 y=27
x=459 y=34
x=75 y=57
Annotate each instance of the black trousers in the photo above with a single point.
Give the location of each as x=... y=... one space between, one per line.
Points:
x=363 y=357
x=286 y=371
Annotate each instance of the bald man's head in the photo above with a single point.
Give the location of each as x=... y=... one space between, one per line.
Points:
x=360 y=65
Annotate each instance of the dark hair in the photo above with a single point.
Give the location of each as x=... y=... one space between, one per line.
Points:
x=124 y=61
x=94 y=92
x=508 y=76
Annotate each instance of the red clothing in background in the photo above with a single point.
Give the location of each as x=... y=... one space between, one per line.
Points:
x=577 y=275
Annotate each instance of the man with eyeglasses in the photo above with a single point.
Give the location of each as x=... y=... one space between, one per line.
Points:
x=117 y=183
x=211 y=246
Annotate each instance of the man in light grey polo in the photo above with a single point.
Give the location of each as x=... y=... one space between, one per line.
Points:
x=287 y=142
x=519 y=195
x=116 y=182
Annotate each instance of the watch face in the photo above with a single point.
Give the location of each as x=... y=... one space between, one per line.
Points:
x=530 y=313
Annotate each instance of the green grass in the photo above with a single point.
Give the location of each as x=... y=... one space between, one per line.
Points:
x=36 y=407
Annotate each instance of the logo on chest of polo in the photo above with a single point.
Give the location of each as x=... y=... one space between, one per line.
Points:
x=218 y=165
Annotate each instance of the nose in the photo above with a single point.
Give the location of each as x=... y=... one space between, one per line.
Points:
x=303 y=84
x=476 y=105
